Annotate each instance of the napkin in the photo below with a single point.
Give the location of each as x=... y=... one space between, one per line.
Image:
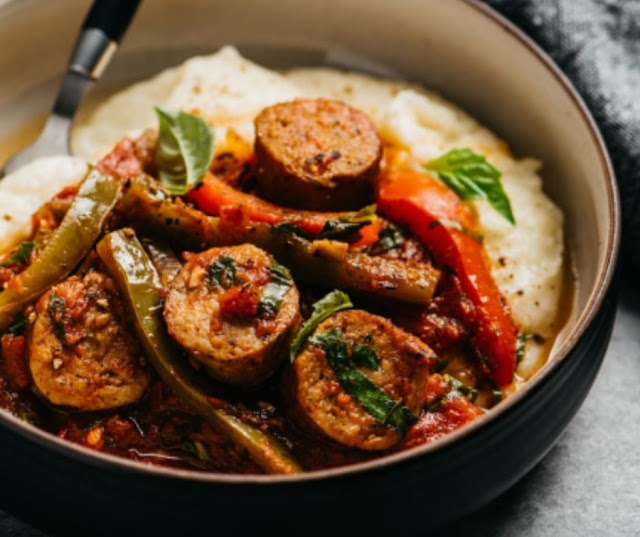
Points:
x=597 y=44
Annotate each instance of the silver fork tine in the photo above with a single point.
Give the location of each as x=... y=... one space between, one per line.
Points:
x=103 y=28
x=55 y=136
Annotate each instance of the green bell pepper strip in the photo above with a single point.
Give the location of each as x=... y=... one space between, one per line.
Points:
x=319 y=262
x=130 y=266
x=68 y=245
x=163 y=259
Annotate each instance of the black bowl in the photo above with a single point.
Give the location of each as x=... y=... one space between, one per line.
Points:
x=71 y=493
x=73 y=490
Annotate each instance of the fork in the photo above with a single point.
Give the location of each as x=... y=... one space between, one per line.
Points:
x=102 y=30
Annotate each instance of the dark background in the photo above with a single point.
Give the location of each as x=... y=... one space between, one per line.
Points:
x=589 y=484
x=597 y=44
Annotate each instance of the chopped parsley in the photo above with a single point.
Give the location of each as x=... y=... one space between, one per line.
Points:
x=343 y=228
x=365 y=357
x=17 y=327
x=274 y=292
x=21 y=256
x=389 y=239
x=521 y=343
x=222 y=272
x=373 y=399
x=347 y=226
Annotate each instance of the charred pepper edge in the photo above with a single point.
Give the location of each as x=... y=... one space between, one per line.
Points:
x=138 y=280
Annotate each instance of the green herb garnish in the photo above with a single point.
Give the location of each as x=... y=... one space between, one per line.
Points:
x=373 y=399
x=57 y=310
x=184 y=151
x=471 y=177
x=346 y=226
x=325 y=307
x=279 y=284
x=460 y=387
x=288 y=227
x=21 y=256
x=342 y=228
x=365 y=357
x=520 y=347
x=454 y=224
x=222 y=272
x=389 y=239
x=521 y=342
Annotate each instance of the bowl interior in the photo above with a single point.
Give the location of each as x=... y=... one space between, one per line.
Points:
x=452 y=47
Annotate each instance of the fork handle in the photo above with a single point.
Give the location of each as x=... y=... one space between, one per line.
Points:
x=104 y=26
x=111 y=16
x=100 y=34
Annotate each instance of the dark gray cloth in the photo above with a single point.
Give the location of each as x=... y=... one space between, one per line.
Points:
x=597 y=44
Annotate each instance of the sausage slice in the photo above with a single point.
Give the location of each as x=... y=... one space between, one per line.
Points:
x=81 y=352
x=234 y=309
x=399 y=367
x=316 y=154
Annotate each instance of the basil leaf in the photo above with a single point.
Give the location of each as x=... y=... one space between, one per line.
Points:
x=292 y=229
x=325 y=307
x=278 y=286
x=365 y=357
x=346 y=226
x=372 y=398
x=471 y=177
x=184 y=151
x=222 y=272
x=335 y=228
x=21 y=256
x=389 y=239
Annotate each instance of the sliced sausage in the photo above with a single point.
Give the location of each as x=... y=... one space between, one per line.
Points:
x=234 y=313
x=316 y=154
x=81 y=352
x=322 y=400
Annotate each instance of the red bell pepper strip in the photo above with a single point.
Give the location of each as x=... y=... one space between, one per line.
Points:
x=424 y=204
x=213 y=194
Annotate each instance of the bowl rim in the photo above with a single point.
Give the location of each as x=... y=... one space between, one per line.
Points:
x=115 y=463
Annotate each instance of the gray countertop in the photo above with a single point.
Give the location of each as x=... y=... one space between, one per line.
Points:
x=589 y=483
